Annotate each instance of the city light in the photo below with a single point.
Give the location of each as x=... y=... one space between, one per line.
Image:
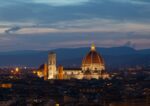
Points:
x=17 y=69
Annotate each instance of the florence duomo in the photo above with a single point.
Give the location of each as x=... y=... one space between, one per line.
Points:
x=92 y=67
x=74 y=52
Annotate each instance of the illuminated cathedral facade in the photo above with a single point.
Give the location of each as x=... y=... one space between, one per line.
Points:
x=92 y=67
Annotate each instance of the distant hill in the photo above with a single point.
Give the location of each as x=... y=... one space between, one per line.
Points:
x=72 y=57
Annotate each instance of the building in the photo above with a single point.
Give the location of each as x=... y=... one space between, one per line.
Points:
x=93 y=64
x=93 y=61
x=93 y=67
x=52 y=65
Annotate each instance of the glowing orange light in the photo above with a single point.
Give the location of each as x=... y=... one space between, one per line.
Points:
x=17 y=69
x=34 y=72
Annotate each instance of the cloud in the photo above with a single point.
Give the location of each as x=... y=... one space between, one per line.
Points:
x=47 y=41
x=53 y=23
x=139 y=2
x=44 y=13
x=129 y=44
x=36 y=30
x=13 y=29
x=61 y=2
x=84 y=25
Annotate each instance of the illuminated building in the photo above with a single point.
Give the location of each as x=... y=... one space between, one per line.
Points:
x=60 y=73
x=8 y=85
x=93 y=61
x=52 y=65
x=39 y=73
x=45 y=72
x=92 y=67
x=42 y=71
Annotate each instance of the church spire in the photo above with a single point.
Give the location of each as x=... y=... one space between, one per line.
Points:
x=93 y=47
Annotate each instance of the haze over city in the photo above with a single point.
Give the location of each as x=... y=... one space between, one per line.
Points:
x=50 y=24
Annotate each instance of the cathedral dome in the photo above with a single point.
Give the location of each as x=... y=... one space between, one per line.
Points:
x=93 y=60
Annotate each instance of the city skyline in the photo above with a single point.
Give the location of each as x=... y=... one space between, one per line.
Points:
x=74 y=53
x=49 y=24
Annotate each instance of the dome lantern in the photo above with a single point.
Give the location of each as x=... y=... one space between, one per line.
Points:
x=93 y=47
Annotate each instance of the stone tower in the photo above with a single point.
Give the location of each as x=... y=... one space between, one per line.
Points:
x=52 y=65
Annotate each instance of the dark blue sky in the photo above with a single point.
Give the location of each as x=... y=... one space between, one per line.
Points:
x=48 y=24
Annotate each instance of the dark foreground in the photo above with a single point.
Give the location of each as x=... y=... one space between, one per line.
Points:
x=34 y=91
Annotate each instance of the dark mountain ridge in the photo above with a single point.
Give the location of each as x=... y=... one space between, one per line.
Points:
x=72 y=57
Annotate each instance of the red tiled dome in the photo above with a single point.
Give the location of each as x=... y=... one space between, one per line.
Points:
x=92 y=58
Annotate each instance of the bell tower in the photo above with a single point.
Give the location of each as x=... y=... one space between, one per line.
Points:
x=52 y=65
